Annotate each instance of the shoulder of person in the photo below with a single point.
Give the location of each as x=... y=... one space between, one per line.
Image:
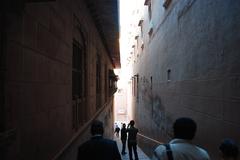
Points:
x=159 y=152
x=135 y=129
x=85 y=143
x=84 y=146
x=203 y=152
x=160 y=148
x=109 y=141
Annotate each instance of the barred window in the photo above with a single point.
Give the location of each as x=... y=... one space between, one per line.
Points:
x=78 y=70
x=98 y=74
x=79 y=84
x=98 y=81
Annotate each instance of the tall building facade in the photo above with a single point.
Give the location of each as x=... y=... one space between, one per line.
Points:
x=186 y=62
x=57 y=59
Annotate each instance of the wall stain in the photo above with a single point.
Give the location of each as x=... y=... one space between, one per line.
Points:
x=159 y=116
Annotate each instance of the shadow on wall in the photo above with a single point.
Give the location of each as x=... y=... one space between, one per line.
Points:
x=161 y=120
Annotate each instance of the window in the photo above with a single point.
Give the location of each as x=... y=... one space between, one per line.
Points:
x=137 y=87
x=106 y=83
x=142 y=46
x=150 y=11
x=112 y=82
x=151 y=82
x=150 y=29
x=136 y=38
x=134 y=51
x=98 y=81
x=140 y=24
x=79 y=76
x=166 y=3
x=141 y=27
x=150 y=32
x=169 y=74
x=132 y=84
x=79 y=83
x=98 y=74
x=78 y=71
x=147 y=2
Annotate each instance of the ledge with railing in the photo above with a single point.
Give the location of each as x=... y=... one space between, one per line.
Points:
x=147 y=144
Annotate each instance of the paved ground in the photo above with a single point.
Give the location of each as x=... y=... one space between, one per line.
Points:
x=141 y=154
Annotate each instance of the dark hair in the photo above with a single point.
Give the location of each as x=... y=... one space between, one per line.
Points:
x=132 y=122
x=229 y=148
x=97 y=127
x=184 y=128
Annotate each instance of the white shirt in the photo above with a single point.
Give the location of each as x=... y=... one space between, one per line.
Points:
x=181 y=150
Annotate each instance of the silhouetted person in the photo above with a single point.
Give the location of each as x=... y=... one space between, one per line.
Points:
x=123 y=138
x=229 y=150
x=117 y=130
x=98 y=148
x=132 y=140
x=181 y=147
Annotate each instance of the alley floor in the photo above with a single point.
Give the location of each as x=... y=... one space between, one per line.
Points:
x=141 y=154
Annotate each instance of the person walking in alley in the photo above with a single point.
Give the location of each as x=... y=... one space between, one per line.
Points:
x=98 y=148
x=229 y=150
x=132 y=140
x=123 y=138
x=117 y=130
x=181 y=147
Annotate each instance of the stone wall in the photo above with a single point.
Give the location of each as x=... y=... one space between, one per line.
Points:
x=39 y=76
x=106 y=116
x=191 y=68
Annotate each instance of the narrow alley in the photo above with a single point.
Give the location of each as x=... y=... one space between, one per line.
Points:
x=141 y=154
x=169 y=65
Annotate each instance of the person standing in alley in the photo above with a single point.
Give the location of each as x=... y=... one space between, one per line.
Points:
x=132 y=140
x=123 y=138
x=181 y=147
x=229 y=150
x=98 y=148
x=117 y=130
